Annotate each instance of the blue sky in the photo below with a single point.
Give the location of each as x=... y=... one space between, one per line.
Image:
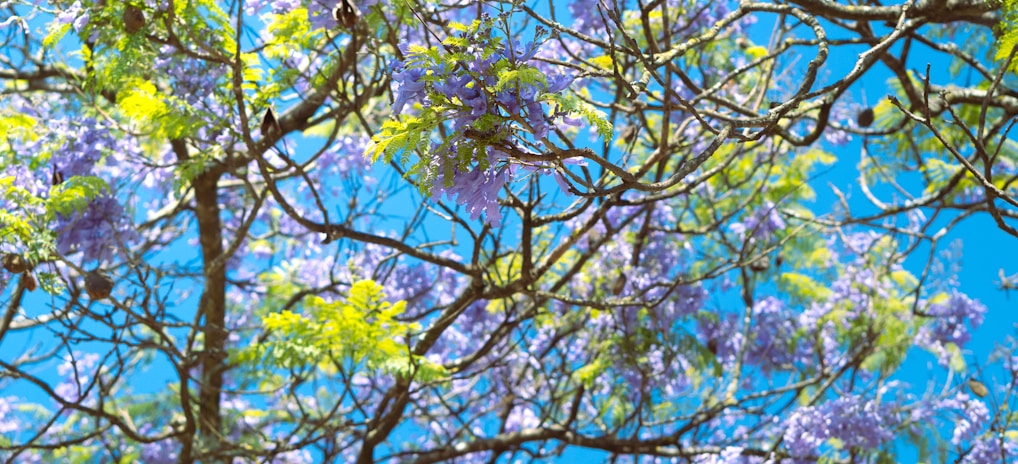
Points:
x=985 y=248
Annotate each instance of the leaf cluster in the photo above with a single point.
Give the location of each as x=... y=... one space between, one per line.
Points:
x=363 y=331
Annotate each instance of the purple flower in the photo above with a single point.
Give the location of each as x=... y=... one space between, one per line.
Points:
x=478 y=191
x=341 y=161
x=77 y=372
x=535 y=115
x=972 y=416
x=587 y=16
x=762 y=224
x=855 y=421
x=520 y=418
x=7 y=422
x=97 y=231
x=517 y=53
x=948 y=325
x=557 y=83
x=160 y=452
x=319 y=12
x=83 y=147
x=409 y=86
x=191 y=80
x=74 y=15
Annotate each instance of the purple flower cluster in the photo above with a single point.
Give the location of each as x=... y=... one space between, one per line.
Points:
x=729 y=455
x=159 y=452
x=972 y=416
x=660 y=262
x=340 y=168
x=464 y=91
x=8 y=423
x=987 y=450
x=469 y=331
x=954 y=318
x=410 y=85
x=84 y=144
x=476 y=189
x=75 y=15
x=97 y=231
x=24 y=178
x=80 y=147
x=77 y=371
x=855 y=421
x=761 y=224
x=193 y=81
x=772 y=336
x=422 y=286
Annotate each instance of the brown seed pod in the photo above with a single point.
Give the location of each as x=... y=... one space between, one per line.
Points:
x=57 y=178
x=620 y=283
x=346 y=14
x=15 y=263
x=134 y=19
x=978 y=388
x=98 y=284
x=629 y=134
x=30 y=283
x=760 y=264
x=270 y=126
x=865 y=117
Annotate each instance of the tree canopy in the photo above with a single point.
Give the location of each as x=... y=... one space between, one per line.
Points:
x=504 y=231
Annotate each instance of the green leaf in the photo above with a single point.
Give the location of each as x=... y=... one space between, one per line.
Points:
x=57 y=31
x=594 y=116
x=522 y=76
x=803 y=287
x=18 y=126
x=74 y=194
x=587 y=374
x=362 y=331
x=397 y=137
x=140 y=101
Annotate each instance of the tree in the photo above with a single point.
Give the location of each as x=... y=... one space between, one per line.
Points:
x=320 y=231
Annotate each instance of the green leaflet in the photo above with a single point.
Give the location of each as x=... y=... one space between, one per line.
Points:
x=360 y=332
x=1009 y=29
x=594 y=116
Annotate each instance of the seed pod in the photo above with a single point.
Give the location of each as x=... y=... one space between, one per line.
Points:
x=15 y=263
x=865 y=117
x=629 y=134
x=620 y=283
x=978 y=388
x=57 y=178
x=760 y=264
x=346 y=14
x=134 y=19
x=98 y=284
x=270 y=126
x=30 y=283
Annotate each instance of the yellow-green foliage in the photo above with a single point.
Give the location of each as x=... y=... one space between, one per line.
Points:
x=886 y=319
x=1008 y=29
x=17 y=126
x=571 y=104
x=361 y=332
x=144 y=105
x=26 y=225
